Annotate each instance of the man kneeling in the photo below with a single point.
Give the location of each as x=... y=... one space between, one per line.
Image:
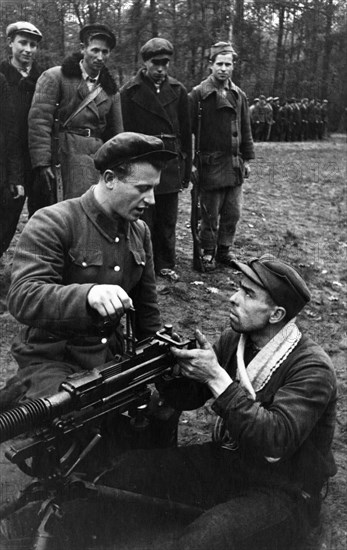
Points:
x=274 y=392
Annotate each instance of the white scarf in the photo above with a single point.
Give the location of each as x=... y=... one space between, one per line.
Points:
x=267 y=360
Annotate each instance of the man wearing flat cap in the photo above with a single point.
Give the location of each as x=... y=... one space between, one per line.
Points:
x=76 y=107
x=221 y=125
x=258 y=484
x=81 y=264
x=21 y=72
x=157 y=104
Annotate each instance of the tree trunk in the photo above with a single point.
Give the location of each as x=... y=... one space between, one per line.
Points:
x=328 y=43
x=279 y=63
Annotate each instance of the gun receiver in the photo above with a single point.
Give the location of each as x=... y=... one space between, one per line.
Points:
x=85 y=397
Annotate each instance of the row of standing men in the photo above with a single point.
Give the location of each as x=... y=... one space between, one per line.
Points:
x=78 y=105
x=291 y=120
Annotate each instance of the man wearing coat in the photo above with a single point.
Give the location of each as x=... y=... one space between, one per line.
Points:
x=11 y=163
x=81 y=264
x=221 y=125
x=21 y=72
x=274 y=391
x=157 y=104
x=82 y=97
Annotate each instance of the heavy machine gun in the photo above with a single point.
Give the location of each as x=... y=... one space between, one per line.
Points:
x=52 y=425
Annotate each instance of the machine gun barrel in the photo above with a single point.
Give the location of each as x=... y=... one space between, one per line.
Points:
x=92 y=393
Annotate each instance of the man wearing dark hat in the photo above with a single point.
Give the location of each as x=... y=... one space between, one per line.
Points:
x=221 y=125
x=76 y=107
x=258 y=483
x=157 y=104
x=81 y=264
x=21 y=73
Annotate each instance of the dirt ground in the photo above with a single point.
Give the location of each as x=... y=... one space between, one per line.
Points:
x=295 y=208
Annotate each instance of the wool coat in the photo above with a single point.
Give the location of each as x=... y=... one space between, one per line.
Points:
x=292 y=418
x=64 y=250
x=59 y=92
x=225 y=134
x=11 y=167
x=168 y=115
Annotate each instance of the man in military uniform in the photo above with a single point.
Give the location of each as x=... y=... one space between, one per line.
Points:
x=21 y=73
x=82 y=96
x=226 y=146
x=157 y=104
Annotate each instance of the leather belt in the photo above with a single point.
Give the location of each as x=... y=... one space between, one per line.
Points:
x=84 y=132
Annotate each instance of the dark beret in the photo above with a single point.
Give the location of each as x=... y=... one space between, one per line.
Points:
x=95 y=30
x=130 y=147
x=157 y=47
x=23 y=27
x=221 y=48
x=284 y=284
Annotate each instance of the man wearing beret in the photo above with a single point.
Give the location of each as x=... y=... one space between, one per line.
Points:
x=258 y=484
x=157 y=104
x=81 y=264
x=221 y=125
x=76 y=107
x=21 y=73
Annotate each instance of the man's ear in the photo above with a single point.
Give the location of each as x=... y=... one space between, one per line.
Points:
x=109 y=178
x=82 y=46
x=277 y=315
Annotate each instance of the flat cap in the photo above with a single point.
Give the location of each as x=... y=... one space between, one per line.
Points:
x=221 y=48
x=276 y=98
x=23 y=27
x=262 y=97
x=130 y=147
x=157 y=47
x=98 y=30
x=284 y=284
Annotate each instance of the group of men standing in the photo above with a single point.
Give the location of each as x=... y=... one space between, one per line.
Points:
x=291 y=120
x=81 y=264
x=64 y=114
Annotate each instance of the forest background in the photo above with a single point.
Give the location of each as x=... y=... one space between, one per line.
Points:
x=286 y=48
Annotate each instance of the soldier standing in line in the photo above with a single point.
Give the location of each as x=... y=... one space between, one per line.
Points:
x=304 y=120
x=21 y=73
x=78 y=104
x=154 y=103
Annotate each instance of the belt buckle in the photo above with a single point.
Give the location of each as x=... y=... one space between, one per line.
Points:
x=89 y=132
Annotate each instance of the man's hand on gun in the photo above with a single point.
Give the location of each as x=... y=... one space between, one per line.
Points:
x=109 y=300
x=201 y=364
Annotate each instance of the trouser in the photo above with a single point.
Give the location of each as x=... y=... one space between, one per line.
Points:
x=237 y=517
x=11 y=209
x=161 y=219
x=220 y=212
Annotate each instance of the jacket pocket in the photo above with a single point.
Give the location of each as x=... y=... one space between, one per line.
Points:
x=85 y=266
x=139 y=257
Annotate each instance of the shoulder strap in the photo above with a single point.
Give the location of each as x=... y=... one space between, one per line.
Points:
x=88 y=99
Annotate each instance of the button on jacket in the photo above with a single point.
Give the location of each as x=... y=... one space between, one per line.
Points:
x=63 y=251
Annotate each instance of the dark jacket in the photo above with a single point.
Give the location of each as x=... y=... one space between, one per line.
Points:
x=292 y=419
x=63 y=251
x=225 y=133
x=21 y=91
x=64 y=86
x=11 y=165
x=164 y=114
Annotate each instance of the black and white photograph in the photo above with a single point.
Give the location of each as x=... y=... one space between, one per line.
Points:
x=173 y=275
